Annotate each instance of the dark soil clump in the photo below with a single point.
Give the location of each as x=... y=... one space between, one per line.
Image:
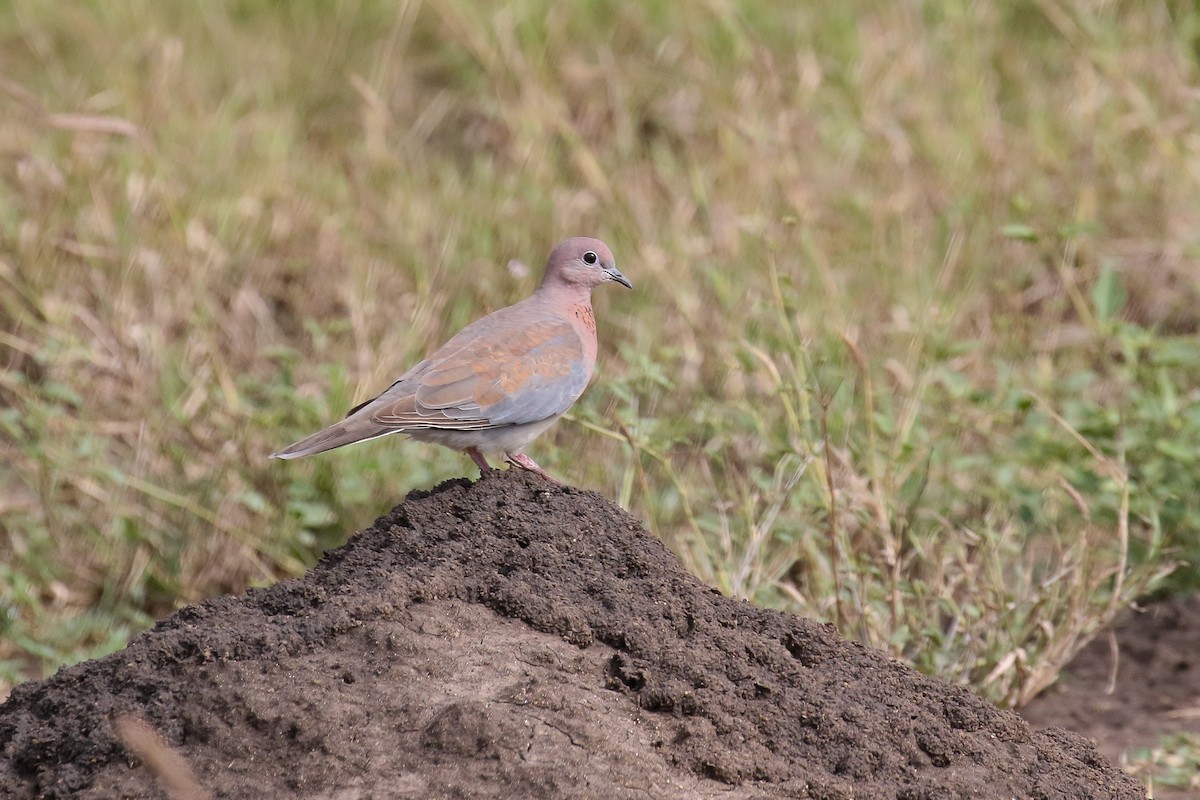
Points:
x=509 y=639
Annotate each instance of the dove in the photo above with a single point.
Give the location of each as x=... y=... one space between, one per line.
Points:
x=500 y=382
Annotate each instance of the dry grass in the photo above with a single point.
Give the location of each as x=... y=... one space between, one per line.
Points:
x=913 y=284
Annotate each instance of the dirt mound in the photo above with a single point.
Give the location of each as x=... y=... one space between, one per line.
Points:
x=507 y=639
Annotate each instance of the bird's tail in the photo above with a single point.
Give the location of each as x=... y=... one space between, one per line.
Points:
x=346 y=432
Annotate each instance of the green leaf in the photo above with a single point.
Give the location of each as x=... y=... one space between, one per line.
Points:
x=1019 y=231
x=1108 y=296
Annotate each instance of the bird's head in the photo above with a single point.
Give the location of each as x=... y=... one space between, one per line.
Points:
x=582 y=263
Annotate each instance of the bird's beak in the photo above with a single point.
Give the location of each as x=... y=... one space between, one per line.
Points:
x=614 y=274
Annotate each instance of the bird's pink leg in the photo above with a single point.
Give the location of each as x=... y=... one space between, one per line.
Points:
x=480 y=461
x=525 y=462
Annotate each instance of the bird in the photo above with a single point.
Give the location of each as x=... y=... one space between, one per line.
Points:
x=500 y=382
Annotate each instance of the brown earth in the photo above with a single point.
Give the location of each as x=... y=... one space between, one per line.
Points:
x=509 y=639
x=1133 y=685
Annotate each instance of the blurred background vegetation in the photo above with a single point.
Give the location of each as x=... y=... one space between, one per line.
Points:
x=913 y=346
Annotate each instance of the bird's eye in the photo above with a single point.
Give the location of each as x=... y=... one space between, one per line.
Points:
x=590 y=258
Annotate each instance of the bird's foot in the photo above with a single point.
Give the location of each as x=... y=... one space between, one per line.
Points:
x=480 y=461
x=525 y=462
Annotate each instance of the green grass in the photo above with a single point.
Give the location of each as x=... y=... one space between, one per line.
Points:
x=912 y=347
x=1174 y=763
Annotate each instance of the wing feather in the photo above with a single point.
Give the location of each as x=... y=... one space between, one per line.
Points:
x=510 y=371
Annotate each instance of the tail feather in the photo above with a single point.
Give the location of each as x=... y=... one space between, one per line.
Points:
x=339 y=435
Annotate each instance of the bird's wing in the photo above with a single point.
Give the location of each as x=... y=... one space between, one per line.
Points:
x=511 y=371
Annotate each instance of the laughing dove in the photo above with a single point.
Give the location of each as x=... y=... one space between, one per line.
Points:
x=502 y=380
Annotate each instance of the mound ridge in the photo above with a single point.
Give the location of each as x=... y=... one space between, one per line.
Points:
x=505 y=638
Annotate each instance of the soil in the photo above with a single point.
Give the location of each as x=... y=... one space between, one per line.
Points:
x=506 y=638
x=1133 y=685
